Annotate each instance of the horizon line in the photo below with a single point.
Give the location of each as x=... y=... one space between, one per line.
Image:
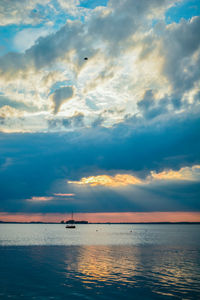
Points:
x=89 y=223
x=114 y=217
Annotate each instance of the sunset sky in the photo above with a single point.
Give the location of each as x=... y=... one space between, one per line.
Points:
x=114 y=137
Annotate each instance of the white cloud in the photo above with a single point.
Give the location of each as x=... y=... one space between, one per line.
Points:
x=26 y=38
x=14 y=12
x=127 y=58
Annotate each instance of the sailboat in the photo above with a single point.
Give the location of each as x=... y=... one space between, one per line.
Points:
x=71 y=224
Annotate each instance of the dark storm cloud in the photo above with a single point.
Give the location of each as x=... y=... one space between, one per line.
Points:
x=38 y=161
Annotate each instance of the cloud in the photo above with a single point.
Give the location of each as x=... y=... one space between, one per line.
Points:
x=19 y=121
x=46 y=51
x=43 y=198
x=66 y=123
x=64 y=195
x=135 y=108
x=5 y=101
x=106 y=180
x=128 y=67
x=13 y=12
x=35 y=11
x=26 y=38
x=104 y=27
x=181 y=47
x=69 y=6
x=186 y=173
x=150 y=107
x=120 y=180
x=120 y=22
x=61 y=95
x=7 y=111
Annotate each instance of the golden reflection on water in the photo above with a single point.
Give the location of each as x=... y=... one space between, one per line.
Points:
x=175 y=272
x=99 y=264
x=163 y=272
x=147 y=272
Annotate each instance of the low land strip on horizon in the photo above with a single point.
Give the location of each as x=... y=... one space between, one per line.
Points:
x=106 y=223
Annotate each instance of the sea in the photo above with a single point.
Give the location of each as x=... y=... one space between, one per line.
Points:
x=100 y=261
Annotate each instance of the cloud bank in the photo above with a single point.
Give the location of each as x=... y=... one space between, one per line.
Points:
x=116 y=132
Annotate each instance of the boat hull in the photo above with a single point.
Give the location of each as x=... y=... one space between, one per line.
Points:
x=70 y=226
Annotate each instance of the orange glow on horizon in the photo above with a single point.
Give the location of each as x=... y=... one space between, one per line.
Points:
x=106 y=217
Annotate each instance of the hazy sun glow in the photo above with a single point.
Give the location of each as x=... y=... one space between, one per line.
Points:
x=185 y=173
x=106 y=180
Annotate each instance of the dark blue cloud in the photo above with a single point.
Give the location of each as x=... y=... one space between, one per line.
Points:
x=39 y=162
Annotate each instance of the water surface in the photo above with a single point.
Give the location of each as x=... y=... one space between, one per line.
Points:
x=99 y=262
x=101 y=234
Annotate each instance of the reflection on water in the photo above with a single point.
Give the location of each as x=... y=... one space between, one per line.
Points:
x=147 y=271
x=172 y=272
x=99 y=272
x=105 y=264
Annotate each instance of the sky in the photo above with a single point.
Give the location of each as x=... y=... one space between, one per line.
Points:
x=114 y=137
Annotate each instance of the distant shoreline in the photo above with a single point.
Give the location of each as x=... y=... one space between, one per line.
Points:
x=108 y=223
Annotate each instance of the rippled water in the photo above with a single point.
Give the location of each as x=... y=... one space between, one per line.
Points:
x=100 y=262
